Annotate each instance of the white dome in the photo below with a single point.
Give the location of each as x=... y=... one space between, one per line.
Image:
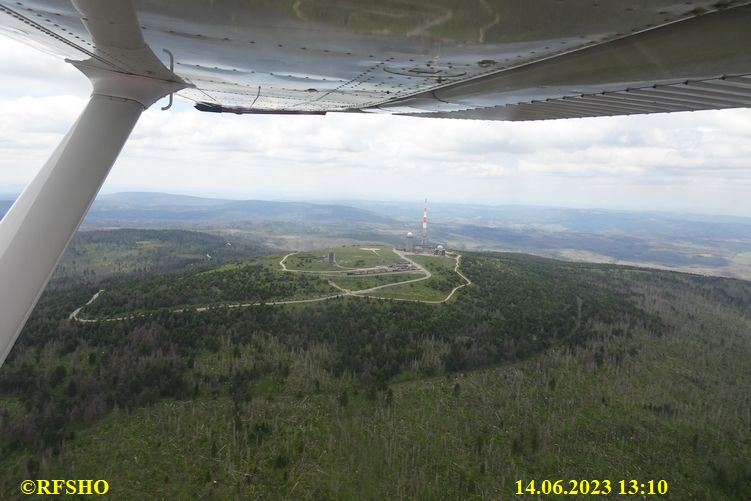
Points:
x=440 y=247
x=409 y=234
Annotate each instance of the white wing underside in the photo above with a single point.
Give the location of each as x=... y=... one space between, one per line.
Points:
x=481 y=59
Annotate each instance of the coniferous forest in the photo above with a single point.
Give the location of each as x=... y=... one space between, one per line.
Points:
x=540 y=369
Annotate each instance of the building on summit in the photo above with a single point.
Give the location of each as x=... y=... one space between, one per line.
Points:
x=410 y=245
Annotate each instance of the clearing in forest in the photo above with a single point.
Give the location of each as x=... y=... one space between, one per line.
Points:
x=298 y=277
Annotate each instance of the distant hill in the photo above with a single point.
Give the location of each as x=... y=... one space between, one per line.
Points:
x=706 y=244
x=152 y=199
x=161 y=207
x=143 y=208
x=647 y=223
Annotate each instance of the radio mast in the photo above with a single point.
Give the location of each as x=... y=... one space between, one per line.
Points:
x=425 y=225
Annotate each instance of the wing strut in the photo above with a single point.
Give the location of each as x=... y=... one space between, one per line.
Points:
x=38 y=227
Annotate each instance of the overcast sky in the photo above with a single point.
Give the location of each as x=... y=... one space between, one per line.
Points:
x=697 y=162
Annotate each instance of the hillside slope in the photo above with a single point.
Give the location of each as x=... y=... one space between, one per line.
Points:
x=539 y=370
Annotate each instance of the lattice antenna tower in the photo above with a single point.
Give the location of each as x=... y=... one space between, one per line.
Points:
x=425 y=225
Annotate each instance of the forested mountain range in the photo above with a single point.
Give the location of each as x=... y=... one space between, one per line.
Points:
x=540 y=369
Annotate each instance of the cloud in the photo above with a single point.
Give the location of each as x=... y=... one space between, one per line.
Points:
x=676 y=161
x=31 y=72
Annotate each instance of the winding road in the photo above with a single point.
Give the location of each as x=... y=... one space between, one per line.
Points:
x=344 y=292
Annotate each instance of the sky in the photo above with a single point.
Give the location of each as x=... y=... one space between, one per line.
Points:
x=696 y=162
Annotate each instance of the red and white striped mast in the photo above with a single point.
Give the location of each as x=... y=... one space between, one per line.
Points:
x=425 y=225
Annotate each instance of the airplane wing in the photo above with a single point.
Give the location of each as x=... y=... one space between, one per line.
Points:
x=468 y=59
x=472 y=59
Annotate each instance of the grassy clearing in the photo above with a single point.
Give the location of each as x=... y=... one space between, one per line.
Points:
x=367 y=282
x=267 y=262
x=435 y=263
x=417 y=291
x=352 y=256
x=358 y=256
x=436 y=288
x=309 y=261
